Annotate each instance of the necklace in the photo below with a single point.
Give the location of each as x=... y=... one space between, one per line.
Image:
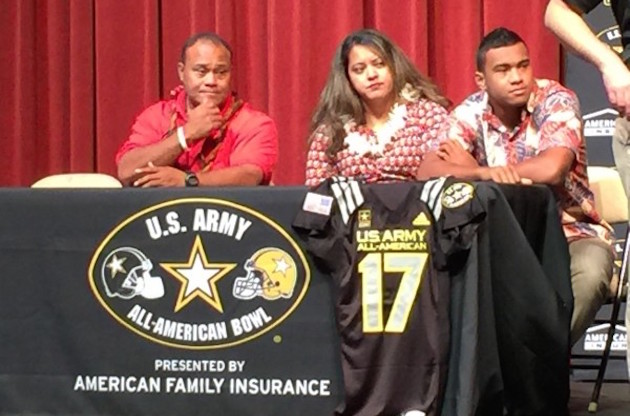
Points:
x=360 y=143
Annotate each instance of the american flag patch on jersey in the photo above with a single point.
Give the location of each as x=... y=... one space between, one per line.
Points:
x=317 y=203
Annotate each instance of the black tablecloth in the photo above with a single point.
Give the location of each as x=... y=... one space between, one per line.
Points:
x=65 y=342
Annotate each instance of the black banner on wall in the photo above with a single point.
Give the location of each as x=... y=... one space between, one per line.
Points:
x=583 y=78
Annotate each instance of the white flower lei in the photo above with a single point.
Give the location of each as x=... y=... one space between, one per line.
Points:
x=359 y=144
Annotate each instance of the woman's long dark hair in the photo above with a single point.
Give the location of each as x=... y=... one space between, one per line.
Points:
x=339 y=102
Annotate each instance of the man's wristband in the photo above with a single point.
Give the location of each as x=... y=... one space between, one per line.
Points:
x=181 y=138
x=191 y=179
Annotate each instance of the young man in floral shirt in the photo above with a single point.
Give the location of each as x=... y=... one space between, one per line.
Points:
x=519 y=129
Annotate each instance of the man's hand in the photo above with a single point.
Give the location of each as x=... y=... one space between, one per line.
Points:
x=201 y=120
x=159 y=176
x=500 y=174
x=617 y=82
x=567 y=23
x=452 y=151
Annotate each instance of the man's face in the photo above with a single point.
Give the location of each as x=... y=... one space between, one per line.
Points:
x=206 y=73
x=369 y=74
x=507 y=76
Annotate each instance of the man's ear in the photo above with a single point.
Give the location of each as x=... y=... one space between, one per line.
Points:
x=480 y=80
x=180 y=71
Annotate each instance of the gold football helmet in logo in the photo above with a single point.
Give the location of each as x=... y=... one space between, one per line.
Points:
x=271 y=274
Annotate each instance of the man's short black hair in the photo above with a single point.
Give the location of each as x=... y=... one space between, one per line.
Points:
x=498 y=38
x=204 y=36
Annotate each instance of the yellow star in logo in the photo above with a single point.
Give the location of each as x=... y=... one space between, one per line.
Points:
x=199 y=277
x=365 y=218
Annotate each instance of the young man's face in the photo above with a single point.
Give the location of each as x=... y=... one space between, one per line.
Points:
x=507 y=76
x=206 y=73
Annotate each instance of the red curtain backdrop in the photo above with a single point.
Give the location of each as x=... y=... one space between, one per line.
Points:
x=75 y=73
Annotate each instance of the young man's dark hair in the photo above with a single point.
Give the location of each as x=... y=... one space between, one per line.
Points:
x=498 y=38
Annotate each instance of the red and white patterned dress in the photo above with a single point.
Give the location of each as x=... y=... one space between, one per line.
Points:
x=393 y=153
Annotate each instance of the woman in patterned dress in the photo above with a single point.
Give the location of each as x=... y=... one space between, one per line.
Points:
x=377 y=115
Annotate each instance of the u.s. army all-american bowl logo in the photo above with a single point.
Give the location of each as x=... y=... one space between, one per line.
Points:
x=199 y=273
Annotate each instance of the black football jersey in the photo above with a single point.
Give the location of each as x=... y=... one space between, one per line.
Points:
x=387 y=248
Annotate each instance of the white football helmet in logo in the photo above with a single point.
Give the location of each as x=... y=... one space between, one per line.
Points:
x=126 y=273
x=271 y=274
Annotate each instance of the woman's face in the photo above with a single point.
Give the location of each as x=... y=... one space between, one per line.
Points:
x=369 y=74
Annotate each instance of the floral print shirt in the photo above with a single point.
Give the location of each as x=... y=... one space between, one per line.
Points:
x=551 y=119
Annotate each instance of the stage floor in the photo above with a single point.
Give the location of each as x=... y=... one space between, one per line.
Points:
x=614 y=399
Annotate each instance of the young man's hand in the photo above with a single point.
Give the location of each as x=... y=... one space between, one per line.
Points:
x=452 y=151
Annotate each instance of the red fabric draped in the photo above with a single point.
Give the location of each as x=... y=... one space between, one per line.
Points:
x=75 y=73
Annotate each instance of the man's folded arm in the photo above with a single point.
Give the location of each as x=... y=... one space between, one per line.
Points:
x=566 y=22
x=162 y=153
x=433 y=166
x=550 y=167
x=243 y=175
x=146 y=144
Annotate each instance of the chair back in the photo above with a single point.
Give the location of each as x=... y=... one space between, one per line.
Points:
x=612 y=204
x=78 y=180
x=610 y=197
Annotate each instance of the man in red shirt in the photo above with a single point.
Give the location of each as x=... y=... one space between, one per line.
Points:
x=204 y=135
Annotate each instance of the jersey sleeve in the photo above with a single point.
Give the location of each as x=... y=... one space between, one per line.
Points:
x=324 y=221
x=315 y=224
x=462 y=213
